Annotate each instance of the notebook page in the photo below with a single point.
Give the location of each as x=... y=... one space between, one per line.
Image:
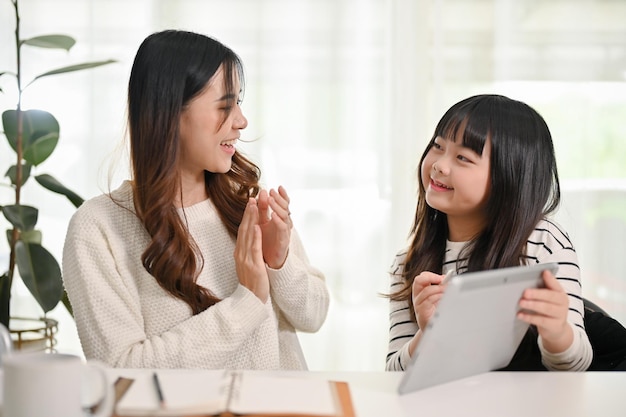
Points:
x=187 y=392
x=263 y=394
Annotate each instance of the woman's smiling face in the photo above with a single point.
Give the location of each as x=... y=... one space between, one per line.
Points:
x=209 y=129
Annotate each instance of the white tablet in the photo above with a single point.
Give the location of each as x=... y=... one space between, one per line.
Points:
x=475 y=328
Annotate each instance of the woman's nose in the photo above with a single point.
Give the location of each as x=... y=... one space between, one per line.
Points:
x=239 y=121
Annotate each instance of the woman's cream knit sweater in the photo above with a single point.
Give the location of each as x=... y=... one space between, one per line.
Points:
x=125 y=319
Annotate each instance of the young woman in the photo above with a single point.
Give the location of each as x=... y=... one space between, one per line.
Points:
x=191 y=264
x=487 y=183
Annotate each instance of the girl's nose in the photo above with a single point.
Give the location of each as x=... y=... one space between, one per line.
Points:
x=441 y=166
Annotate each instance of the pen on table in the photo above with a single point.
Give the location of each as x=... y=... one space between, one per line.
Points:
x=157 y=387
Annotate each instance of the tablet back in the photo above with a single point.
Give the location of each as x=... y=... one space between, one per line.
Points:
x=474 y=328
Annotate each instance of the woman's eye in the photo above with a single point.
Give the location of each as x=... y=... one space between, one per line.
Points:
x=464 y=159
x=436 y=145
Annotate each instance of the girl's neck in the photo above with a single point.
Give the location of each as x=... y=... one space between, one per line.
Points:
x=464 y=229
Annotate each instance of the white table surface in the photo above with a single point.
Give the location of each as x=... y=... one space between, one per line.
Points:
x=510 y=394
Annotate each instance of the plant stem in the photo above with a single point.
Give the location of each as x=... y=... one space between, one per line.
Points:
x=20 y=119
x=19 y=143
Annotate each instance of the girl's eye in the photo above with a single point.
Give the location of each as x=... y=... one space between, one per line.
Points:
x=436 y=145
x=463 y=158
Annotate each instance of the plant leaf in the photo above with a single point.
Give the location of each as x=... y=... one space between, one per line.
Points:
x=31 y=236
x=5 y=298
x=22 y=217
x=12 y=173
x=51 y=41
x=40 y=133
x=41 y=147
x=67 y=304
x=72 y=68
x=41 y=274
x=49 y=182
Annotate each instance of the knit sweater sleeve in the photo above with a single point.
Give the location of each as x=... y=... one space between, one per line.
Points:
x=401 y=327
x=299 y=289
x=109 y=315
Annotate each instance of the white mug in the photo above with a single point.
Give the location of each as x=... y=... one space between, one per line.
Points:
x=54 y=385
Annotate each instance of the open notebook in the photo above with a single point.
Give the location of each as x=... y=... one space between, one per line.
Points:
x=211 y=393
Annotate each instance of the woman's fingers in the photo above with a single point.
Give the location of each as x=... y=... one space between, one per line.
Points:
x=279 y=202
x=249 y=255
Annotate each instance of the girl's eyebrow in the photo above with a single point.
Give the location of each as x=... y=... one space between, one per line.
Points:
x=461 y=145
x=465 y=146
x=471 y=150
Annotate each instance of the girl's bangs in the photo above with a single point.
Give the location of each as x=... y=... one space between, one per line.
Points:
x=474 y=136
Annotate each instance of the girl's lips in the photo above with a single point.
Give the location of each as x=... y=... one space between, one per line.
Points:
x=438 y=186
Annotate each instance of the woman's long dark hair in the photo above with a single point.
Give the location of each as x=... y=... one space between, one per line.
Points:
x=524 y=186
x=170 y=69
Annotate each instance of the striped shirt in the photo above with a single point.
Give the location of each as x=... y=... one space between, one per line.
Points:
x=547 y=243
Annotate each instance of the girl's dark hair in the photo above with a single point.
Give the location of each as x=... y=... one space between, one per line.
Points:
x=524 y=186
x=170 y=69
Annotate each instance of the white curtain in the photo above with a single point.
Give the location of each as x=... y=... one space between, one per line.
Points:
x=341 y=98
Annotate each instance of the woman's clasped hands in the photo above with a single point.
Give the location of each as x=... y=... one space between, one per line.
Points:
x=263 y=239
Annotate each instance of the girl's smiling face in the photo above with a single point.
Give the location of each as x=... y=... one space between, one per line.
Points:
x=457 y=182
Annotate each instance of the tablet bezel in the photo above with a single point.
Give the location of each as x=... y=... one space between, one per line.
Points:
x=475 y=328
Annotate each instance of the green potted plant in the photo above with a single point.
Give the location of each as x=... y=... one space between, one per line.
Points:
x=33 y=135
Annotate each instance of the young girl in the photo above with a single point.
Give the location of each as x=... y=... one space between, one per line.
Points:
x=487 y=182
x=190 y=264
